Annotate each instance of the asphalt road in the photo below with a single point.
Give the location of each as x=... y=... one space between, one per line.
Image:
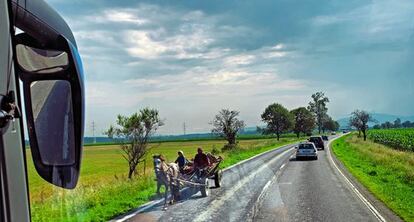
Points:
x=273 y=187
x=312 y=191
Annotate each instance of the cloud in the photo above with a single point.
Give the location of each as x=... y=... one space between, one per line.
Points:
x=379 y=20
x=189 y=60
x=123 y=16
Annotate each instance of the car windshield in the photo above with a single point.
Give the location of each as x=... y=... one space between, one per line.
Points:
x=306 y=146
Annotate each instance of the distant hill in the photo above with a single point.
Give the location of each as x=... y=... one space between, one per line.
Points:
x=379 y=117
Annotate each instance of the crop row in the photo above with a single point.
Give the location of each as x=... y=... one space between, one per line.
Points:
x=402 y=139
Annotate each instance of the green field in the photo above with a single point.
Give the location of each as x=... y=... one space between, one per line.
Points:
x=386 y=172
x=104 y=191
x=402 y=139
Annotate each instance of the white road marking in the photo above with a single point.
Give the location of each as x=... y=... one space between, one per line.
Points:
x=285 y=183
x=353 y=188
x=218 y=203
x=264 y=189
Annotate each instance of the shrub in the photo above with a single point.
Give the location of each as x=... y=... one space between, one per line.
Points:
x=229 y=147
x=215 y=151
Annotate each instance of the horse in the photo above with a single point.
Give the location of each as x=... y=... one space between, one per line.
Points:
x=158 y=174
x=167 y=175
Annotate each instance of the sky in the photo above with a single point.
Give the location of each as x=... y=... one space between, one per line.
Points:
x=189 y=58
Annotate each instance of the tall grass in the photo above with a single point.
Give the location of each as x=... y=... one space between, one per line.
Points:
x=94 y=203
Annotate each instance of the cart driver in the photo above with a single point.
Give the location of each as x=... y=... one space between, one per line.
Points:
x=201 y=160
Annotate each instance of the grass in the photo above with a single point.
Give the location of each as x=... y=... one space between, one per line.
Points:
x=104 y=191
x=386 y=172
x=197 y=139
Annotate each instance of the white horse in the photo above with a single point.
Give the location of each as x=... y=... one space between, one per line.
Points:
x=167 y=175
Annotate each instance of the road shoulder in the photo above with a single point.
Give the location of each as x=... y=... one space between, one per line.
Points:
x=384 y=212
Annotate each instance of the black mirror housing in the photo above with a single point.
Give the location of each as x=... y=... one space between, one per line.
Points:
x=54 y=106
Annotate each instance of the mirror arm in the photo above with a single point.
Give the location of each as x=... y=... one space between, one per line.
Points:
x=8 y=109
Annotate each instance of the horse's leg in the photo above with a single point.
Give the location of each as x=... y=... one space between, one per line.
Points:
x=178 y=190
x=171 y=191
x=158 y=186
x=165 y=197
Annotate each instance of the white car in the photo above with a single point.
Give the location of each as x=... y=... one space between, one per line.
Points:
x=306 y=150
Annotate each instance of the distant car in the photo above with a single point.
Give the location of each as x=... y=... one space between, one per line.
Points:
x=333 y=133
x=344 y=131
x=318 y=141
x=306 y=150
x=325 y=138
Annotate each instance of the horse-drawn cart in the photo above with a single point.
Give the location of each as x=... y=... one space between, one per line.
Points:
x=199 y=178
x=172 y=177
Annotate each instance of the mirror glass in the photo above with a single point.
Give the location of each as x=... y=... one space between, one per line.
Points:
x=41 y=61
x=53 y=121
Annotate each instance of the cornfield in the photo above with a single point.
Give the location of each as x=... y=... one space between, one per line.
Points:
x=402 y=139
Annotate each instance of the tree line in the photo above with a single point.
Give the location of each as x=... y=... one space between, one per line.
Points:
x=301 y=120
x=134 y=132
x=396 y=124
x=279 y=120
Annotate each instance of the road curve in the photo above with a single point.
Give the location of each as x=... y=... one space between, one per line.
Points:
x=312 y=191
x=271 y=187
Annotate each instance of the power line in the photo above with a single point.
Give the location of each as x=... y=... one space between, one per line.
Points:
x=93 y=131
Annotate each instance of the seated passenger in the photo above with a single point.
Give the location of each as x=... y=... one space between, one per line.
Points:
x=181 y=160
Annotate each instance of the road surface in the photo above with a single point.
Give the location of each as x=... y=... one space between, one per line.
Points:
x=272 y=187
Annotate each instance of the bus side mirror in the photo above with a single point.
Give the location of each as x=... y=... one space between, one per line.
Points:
x=53 y=92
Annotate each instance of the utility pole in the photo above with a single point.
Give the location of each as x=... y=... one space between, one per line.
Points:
x=184 y=128
x=93 y=131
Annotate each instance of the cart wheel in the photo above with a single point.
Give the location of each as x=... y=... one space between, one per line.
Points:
x=204 y=189
x=217 y=178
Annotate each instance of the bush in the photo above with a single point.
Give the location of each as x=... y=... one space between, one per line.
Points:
x=229 y=147
x=215 y=151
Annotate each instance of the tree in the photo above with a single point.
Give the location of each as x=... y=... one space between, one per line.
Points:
x=376 y=126
x=304 y=121
x=397 y=123
x=133 y=133
x=359 y=120
x=329 y=124
x=406 y=124
x=387 y=125
x=354 y=122
x=227 y=125
x=318 y=107
x=278 y=119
